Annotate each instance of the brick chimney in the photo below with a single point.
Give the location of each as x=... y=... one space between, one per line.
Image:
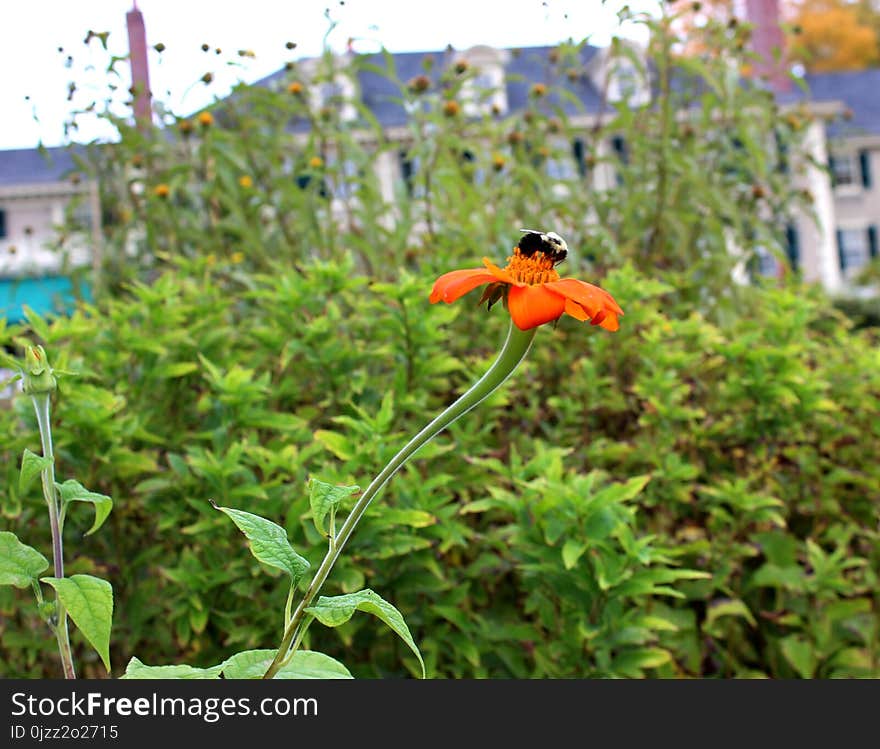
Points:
x=140 y=72
x=768 y=43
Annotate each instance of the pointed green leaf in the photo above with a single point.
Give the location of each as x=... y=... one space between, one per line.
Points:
x=31 y=467
x=20 y=565
x=137 y=670
x=305 y=664
x=405 y=516
x=73 y=491
x=616 y=493
x=332 y=611
x=89 y=602
x=728 y=607
x=38 y=324
x=268 y=543
x=572 y=550
x=799 y=653
x=326 y=497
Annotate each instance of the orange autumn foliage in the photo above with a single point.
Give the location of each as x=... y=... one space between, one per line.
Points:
x=832 y=35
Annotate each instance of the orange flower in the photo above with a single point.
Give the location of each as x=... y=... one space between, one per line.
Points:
x=206 y=119
x=534 y=292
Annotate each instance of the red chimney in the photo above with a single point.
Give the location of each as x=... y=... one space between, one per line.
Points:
x=140 y=72
x=768 y=42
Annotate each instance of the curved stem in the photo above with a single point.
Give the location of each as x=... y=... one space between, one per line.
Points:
x=515 y=347
x=56 y=523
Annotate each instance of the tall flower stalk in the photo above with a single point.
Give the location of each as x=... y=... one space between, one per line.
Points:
x=516 y=346
x=39 y=383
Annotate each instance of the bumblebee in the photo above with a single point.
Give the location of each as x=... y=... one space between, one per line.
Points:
x=550 y=243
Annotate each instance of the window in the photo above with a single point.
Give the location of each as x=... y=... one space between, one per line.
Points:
x=853 y=247
x=843 y=170
x=483 y=91
x=627 y=83
x=2 y=224
x=337 y=94
x=850 y=169
x=768 y=265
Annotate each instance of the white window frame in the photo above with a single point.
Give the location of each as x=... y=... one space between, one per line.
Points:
x=854 y=184
x=856 y=257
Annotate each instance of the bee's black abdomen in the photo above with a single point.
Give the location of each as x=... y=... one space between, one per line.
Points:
x=532 y=243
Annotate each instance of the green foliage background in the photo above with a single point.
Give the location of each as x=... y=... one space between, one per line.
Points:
x=697 y=494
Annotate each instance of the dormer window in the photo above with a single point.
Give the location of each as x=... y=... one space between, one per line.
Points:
x=622 y=73
x=330 y=89
x=485 y=91
x=627 y=83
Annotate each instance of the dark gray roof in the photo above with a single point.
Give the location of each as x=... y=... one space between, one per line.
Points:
x=380 y=91
x=33 y=165
x=859 y=90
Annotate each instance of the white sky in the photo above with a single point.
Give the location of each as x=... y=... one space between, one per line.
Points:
x=33 y=67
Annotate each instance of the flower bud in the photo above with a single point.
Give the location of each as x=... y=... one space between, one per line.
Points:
x=37 y=375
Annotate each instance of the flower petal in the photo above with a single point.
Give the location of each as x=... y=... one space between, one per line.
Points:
x=450 y=286
x=597 y=303
x=531 y=306
x=575 y=310
x=590 y=297
x=500 y=275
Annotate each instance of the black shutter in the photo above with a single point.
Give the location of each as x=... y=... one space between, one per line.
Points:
x=865 y=164
x=577 y=151
x=407 y=170
x=2 y=223
x=872 y=240
x=792 y=249
x=618 y=143
x=840 y=250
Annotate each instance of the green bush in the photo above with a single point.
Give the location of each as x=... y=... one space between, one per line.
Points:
x=694 y=495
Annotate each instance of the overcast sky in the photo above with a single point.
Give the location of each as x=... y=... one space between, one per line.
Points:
x=36 y=75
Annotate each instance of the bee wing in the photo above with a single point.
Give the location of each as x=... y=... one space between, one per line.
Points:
x=531 y=231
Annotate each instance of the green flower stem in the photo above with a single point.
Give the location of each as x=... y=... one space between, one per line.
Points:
x=56 y=523
x=515 y=347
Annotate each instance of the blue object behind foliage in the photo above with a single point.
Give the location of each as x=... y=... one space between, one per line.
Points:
x=47 y=295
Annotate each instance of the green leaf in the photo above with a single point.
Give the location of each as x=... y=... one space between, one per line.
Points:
x=336 y=443
x=37 y=323
x=799 y=654
x=572 y=550
x=324 y=498
x=616 y=493
x=732 y=607
x=305 y=664
x=332 y=611
x=405 y=516
x=31 y=467
x=176 y=369
x=268 y=543
x=89 y=601
x=641 y=658
x=20 y=565
x=137 y=670
x=73 y=491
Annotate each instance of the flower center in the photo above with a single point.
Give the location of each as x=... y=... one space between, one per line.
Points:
x=531 y=269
